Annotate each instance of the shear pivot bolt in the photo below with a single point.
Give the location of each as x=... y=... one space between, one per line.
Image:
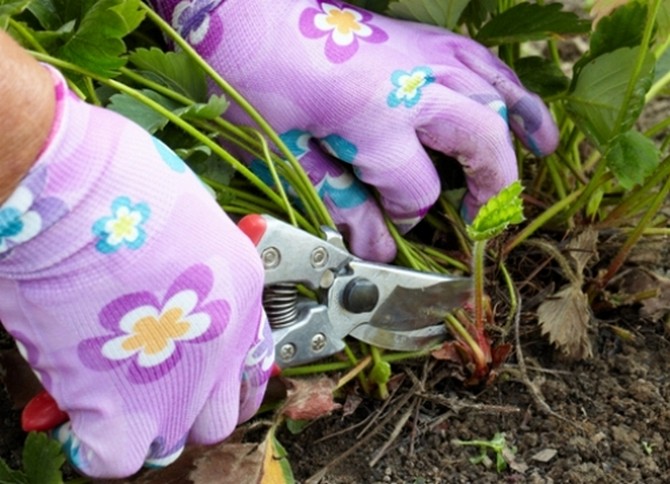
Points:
x=360 y=295
x=319 y=257
x=318 y=342
x=271 y=258
x=287 y=352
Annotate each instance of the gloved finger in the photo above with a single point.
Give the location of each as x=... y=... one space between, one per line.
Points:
x=106 y=447
x=529 y=117
x=473 y=134
x=349 y=202
x=400 y=170
x=258 y=367
x=465 y=82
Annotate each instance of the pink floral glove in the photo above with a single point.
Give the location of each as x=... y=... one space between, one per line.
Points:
x=135 y=299
x=343 y=84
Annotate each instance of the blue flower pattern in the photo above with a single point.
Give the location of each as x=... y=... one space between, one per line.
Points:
x=408 y=86
x=330 y=181
x=125 y=227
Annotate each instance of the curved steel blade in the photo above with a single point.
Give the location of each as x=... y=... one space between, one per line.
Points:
x=401 y=340
x=411 y=308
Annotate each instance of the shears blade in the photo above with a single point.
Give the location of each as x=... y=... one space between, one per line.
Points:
x=412 y=308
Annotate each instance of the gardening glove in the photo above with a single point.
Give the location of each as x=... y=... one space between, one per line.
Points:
x=344 y=85
x=134 y=298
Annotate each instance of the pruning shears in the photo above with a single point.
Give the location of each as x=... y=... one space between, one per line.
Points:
x=383 y=305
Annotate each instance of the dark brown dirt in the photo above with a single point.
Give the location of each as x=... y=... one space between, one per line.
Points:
x=614 y=426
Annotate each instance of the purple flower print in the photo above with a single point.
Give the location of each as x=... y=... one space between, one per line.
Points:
x=149 y=334
x=26 y=213
x=343 y=24
x=192 y=19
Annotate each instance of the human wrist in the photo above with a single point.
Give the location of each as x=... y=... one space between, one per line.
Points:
x=26 y=113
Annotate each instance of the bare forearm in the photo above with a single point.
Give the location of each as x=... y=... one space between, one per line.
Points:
x=26 y=113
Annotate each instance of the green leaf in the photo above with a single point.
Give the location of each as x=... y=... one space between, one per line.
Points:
x=206 y=164
x=378 y=6
x=433 y=12
x=97 y=44
x=174 y=70
x=296 y=426
x=632 y=157
x=540 y=75
x=42 y=459
x=526 y=21
x=52 y=14
x=599 y=92
x=478 y=11
x=12 y=8
x=212 y=109
x=139 y=112
x=10 y=476
x=498 y=213
x=663 y=22
x=622 y=28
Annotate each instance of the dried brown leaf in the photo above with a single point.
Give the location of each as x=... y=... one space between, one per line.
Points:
x=240 y=463
x=231 y=463
x=565 y=318
x=637 y=284
x=582 y=249
x=309 y=399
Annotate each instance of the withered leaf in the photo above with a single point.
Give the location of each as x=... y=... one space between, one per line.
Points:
x=309 y=399
x=649 y=288
x=582 y=248
x=565 y=318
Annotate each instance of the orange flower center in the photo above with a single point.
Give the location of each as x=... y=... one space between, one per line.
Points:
x=154 y=334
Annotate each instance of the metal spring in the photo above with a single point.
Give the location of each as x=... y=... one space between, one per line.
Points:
x=280 y=303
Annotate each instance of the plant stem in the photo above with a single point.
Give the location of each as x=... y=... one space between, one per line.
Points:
x=478 y=253
x=305 y=187
x=652 y=11
x=184 y=125
x=634 y=236
x=540 y=220
x=377 y=359
x=639 y=197
x=455 y=325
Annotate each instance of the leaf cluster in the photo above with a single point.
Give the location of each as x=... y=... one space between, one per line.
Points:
x=42 y=461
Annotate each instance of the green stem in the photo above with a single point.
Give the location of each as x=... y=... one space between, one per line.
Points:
x=540 y=220
x=444 y=259
x=478 y=253
x=455 y=325
x=184 y=125
x=353 y=361
x=305 y=186
x=635 y=235
x=639 y=197
x=512 y=294
x=377 y=359
x=599 y=177
x=637 y=69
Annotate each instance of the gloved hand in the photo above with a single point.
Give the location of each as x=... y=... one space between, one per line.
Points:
x=135 y=299
x=343 y=84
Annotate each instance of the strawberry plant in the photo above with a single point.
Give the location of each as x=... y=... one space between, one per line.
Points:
x=608 y=175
